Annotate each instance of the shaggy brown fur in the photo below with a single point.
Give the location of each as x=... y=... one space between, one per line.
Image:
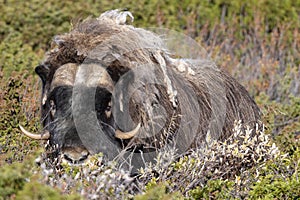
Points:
x=219 y=99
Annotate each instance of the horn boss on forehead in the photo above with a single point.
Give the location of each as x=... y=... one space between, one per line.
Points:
x=64 y=75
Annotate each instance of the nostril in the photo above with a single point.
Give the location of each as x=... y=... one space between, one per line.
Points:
x=75 y=155
x=67 y=158
x=84 y=157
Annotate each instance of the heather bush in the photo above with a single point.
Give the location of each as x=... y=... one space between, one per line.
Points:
x=19 y=105
x=12 y=179
x=239 y=167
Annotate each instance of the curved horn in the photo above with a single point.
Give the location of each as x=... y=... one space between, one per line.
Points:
x=127 y=135
x=44 y=136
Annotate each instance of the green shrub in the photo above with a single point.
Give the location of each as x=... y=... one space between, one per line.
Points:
x=19 y=181
x=13 y=178
x=282 y=121
x=270 y=187
x=40 y=20
x=158 y=192
x=17 y=106
x=36 y=191
x=16 y=55
x=279 y=179
x=214 y=189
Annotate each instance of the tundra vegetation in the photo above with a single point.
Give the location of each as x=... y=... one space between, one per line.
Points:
x=256 y=41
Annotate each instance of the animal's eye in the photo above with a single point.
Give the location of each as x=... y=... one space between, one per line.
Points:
x=108 y=110
x=52 y=108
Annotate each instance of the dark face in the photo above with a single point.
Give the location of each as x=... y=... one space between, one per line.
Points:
x=58 y=120
x=58 y=116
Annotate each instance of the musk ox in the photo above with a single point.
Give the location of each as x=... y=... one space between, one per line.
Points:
x=110 y=87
